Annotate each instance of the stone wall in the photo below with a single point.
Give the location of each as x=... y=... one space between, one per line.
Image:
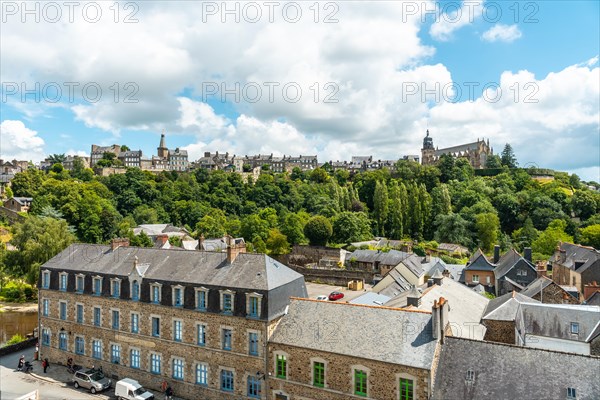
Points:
x=18 y=346
x=310 y=254
x=335 y=276
x=11 y=215
x=382 y=379
x=212 y=354
x=554 y=294
x=499 y=331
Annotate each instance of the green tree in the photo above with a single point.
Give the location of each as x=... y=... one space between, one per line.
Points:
x=56 y=158
x=590 y=236
x=397 y=210
x=212 y=225
x=452 y=228
x=548 y=239
x=381 y=206
x=277 y=243
x=585 y=203
x=351 y=227
x=57 y=168
x=319 y=175
x=293 y=228
x=487 y=226
x=524 y=236
x=508 y=156
x=493 y=161
x=318 y=230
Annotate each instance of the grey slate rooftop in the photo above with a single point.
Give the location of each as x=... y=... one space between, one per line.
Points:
x=248 y=271
x=507 y=372
x=375 y=333
x=392 y=257
x=579 y=258
x=505 y=307
x=479 y=262
x=537 y=286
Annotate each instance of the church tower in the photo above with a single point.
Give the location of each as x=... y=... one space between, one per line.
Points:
x=428 y=151
x=163 y=151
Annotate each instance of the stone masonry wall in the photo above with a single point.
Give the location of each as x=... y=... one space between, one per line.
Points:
x=499 y=331
x=382 y=380
x=237 y=359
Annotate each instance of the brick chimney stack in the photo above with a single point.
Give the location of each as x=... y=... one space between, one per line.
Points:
x=232 y=249
x=162 y=239
x=201 y=242
x=439 y=319
x=119 y=242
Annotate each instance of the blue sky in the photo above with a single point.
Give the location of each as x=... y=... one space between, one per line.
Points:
x=371 y=53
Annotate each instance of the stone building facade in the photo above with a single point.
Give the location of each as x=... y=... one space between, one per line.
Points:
x=317 y=352
x=476 y=153
x=198 y=320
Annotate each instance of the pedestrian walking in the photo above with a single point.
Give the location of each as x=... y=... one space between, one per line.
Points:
x=21 y=362
x=169 y=393
x=163 y=386
x=45 y=364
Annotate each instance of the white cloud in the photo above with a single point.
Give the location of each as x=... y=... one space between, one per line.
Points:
x=502 y=33
x=19 y=142
x=451 y=18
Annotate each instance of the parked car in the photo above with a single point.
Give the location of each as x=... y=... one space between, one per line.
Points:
x=92 y=379
x=322 y=297
x=333 y=296
x=130 y=389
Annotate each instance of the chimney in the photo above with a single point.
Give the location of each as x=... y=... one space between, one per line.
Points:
x=414 y=297
x=446 y=273
x=589 y=289
x=527 y=253
x=119 y=242
x=232 y=249
x=429 y=282
x=496 y=254
x=437 y=277
x=439 y=319
x=541 y=269
x=201 y=242
x=427 y=258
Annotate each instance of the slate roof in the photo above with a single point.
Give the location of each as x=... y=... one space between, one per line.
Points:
x=594 y=299
x=396 y=284
x=370 y=299
x=451 y=247
x=248 y=271
x=574 y=253
x=505 y=307
x=541 y=283
x=160 y=229
x=458 y=149
x=479 y=262
x=392 y=257
x=504 y=371
x=508 y=261
x=465 y=306
x=384 y=334
x=554 y=320
x=456 y=270
x=23 y=200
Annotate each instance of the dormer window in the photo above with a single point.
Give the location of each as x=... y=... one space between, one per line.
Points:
x=79 y=283
x=115 y=287
x=575 y=328
x=155 y=293
x=63 y=277
x=201 y=299
x=135 y=291
x=253 y=305
x=227 y=298
x=470 y=376
x=97 y=285
x=46 y=279
x=178 y=296
x=571 y=393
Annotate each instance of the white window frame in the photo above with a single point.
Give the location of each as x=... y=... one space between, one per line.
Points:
x=77 y=288
x=222 y=295
x=205 y=291
x=475 y=278
x=180 y=321
x=60 y=281
x=94 y=279
x=249 y=297
x=46 y=277
x=112 y=283
x=152 y=286
x=173 y=290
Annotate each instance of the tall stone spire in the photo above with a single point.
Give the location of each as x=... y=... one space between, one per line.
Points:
x=163 y=151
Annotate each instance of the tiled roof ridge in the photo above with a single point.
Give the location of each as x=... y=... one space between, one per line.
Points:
x=177 y=249
x=522 y=347
x=361 y=305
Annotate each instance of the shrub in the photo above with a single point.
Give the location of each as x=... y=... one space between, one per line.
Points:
x=16 y=338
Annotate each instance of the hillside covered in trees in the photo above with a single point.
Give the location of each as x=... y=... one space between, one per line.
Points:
x=445 y=203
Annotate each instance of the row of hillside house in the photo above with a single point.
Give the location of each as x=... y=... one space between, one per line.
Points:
x=368 y=163
x=165 y=160
x=8 y=170
x=238 y=326
x=576 y=266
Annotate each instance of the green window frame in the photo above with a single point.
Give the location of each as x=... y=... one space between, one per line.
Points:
x=318 y=374
x=281 y=366
x=360 y=382
x=406 y=389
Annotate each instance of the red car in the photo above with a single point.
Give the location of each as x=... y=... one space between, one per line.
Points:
x=333 y=296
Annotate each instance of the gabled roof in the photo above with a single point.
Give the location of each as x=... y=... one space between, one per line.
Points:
x=479 y=262
x=392 y=257
x=23 y=200
x=587 y=256
x=537 y=286
x=594 y=299
x=554 y=320
x=385 y=334
x=370 y=299
x=466 y=306
x=392 y=284
x=505 y=307
x=508 y=261
x=504 y=371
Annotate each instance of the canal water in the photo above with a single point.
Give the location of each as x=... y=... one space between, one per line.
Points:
x=16 y=322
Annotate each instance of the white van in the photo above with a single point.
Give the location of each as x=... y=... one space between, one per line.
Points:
x=130 y=389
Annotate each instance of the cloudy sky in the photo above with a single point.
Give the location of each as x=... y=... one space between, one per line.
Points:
x=330 y=78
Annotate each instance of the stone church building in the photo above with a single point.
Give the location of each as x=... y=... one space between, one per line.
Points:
x=477 y=152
